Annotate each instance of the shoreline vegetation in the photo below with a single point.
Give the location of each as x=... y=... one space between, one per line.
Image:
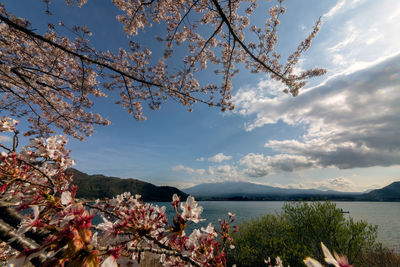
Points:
x=299 y=229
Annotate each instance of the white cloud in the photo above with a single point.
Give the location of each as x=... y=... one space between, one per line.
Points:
x=200 y=159
x=213 y=174
x=188 y=170
x=352 y=120
x=225 y=172
x=258 y=165
x=219 y=158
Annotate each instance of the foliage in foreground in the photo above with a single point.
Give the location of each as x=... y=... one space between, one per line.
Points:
x=297 y=232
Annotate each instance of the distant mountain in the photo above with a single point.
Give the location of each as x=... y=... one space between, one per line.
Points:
x=100 y=186
x=251 y=191
x=387 y=193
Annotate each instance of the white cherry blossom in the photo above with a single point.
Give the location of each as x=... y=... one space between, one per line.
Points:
x=190 y=210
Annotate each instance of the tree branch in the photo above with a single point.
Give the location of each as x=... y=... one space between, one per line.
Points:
x=245 y=48
x=69 y=51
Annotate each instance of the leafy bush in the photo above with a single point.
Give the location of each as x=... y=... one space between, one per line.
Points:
x=297 y=232
x=265 y=234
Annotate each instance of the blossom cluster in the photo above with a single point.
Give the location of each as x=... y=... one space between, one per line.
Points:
x=58 y=229
x=7 y=124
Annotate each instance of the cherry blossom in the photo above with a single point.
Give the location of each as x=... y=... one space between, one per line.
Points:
x=7 y=124
x=191 y=210
x=53 y=80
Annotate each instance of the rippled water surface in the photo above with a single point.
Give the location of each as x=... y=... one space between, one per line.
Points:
x=384 y=214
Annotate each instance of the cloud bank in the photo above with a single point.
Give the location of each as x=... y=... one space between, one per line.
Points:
x=351 y=121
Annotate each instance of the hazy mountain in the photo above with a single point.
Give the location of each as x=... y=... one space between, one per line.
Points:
x=100 y=186
x=246 y=190
x=387 y=193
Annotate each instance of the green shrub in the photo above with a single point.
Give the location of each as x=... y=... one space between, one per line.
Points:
x=261 y=238
x=297 y=232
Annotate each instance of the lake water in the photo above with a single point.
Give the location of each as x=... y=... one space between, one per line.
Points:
x=384 y=214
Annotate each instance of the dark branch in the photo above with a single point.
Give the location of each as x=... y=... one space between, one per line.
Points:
x=245 y=48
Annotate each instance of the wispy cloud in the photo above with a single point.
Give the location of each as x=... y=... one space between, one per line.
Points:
x=363 y=33
x=335 y=9
x=188 y=170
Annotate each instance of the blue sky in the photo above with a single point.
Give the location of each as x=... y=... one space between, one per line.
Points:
x=340 y=133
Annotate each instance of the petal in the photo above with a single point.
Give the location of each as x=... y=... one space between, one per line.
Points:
x=66 y=198
x=175 y=198
x=328 y=256
x=35 y=212
x=311 y=262
x=109 y=262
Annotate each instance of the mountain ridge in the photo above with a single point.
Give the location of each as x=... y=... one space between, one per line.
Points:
x=390 y=192
x=252 y=191
x=101 y=186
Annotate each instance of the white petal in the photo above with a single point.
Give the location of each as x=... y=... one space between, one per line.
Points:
x=35 y=212
x=328 y=256
x=109 y=262
x=312 y=263
x=175 y=198
x=66 y=198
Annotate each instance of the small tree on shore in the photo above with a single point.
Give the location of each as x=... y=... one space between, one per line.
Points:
x=297 y=232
